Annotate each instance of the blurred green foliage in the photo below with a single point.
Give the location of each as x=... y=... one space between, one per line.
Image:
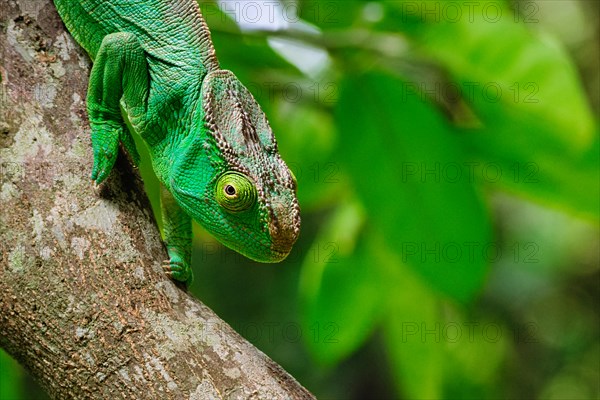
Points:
x=447 y=155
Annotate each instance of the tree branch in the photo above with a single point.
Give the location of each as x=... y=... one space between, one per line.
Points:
x=84 y=304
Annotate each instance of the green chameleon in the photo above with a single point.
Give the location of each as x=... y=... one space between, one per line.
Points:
x=211 y=145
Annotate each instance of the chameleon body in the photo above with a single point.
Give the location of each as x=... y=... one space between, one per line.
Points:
x=211 y=145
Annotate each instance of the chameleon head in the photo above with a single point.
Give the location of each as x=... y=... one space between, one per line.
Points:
x=233 y=181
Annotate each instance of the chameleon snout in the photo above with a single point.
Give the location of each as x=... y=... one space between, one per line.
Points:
x=284 y=228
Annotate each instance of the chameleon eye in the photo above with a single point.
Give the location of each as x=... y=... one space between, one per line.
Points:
x=235 y=192
x=229 y=190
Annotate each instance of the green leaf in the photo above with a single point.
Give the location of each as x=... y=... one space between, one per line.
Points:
x=396 y=149
x=433 y=354
x=412 y=335
x=11 y=377
x=537 y=127
x=531 y=69
x=340 y=287
x=521 y=157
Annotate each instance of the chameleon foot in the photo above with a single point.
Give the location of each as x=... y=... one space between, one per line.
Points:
x=178 y=271
x=105 y=142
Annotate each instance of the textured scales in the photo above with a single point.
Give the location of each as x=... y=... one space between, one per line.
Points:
x=205 y=131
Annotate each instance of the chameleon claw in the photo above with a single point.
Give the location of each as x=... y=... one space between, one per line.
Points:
x=167 y=269
x=101 y=178
x=177 y=270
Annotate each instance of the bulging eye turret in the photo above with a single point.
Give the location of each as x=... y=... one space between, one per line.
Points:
x=235 y=192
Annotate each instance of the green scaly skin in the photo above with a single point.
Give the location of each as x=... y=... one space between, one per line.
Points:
x=211 y=145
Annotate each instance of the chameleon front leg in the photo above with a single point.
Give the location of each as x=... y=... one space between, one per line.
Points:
x=177 y=234
x=120 y=72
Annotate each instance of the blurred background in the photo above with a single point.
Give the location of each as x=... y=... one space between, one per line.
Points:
x=447 y=158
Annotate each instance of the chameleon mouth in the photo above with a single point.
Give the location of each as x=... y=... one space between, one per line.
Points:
x=268 y=256
x=280 y=250
x=284 y=229
x=280 y=255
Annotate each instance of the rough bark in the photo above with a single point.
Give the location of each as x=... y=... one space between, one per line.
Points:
x=84 y=305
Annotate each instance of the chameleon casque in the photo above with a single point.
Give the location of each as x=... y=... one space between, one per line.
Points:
x=211 y=145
